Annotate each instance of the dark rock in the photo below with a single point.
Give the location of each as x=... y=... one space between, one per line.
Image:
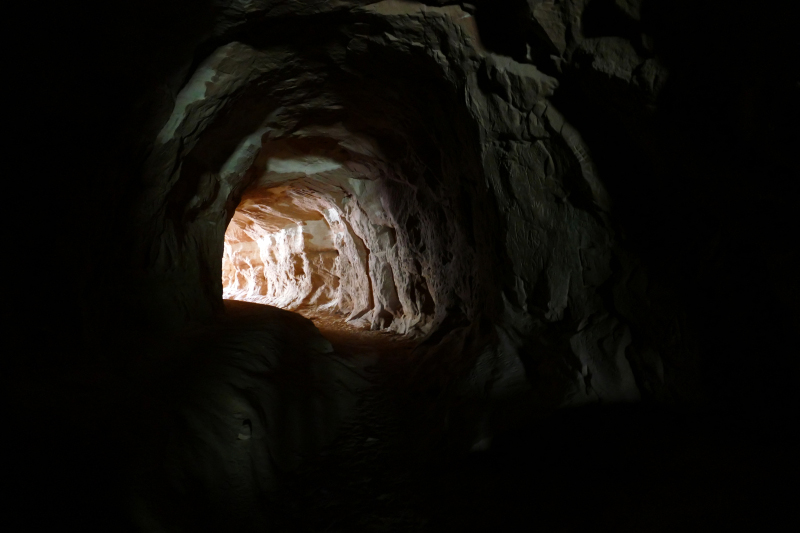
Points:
x=561 y=202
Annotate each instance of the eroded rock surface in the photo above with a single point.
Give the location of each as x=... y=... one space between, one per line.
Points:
x=313 y=231
x=392 y=170
x=470 y=197
x=527 y=188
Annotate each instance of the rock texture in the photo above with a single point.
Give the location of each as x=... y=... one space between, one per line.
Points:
x=566 y=202
x=472 y=199
x=312 y=230
x=391 y=168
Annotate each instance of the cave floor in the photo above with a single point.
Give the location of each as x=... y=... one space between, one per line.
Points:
x=375 y=477
x=395 y=468
x=605 y=468
x=351 y=340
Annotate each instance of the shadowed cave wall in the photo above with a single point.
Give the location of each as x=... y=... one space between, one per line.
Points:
x=563 y=203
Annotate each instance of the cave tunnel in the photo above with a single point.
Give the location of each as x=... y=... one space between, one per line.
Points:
x=405 y=266
x=312 y=234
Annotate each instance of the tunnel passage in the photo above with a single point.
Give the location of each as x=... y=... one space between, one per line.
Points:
x=382 y=167
x=407 y=188
x=313 y=233
x=160 y=99
x=431 y=190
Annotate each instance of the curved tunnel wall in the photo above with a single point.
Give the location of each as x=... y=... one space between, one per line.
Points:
x=693 y=137
x=482 y=190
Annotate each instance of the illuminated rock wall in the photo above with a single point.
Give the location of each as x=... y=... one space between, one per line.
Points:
x=315 y=233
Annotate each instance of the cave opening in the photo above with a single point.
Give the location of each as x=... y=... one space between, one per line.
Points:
x=312 y=234
x=315 y=232
x=280 y=260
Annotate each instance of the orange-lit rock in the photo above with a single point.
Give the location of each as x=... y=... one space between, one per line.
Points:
x=312 y=232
